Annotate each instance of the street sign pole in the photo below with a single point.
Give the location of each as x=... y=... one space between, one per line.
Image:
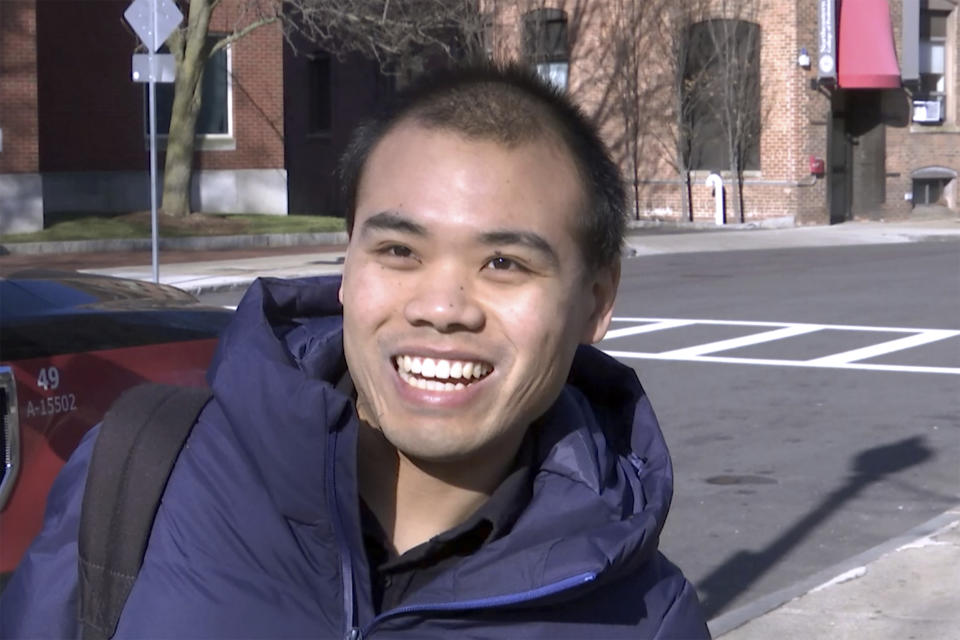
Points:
x=153 y=21
x=154 y=235
x=154 y=232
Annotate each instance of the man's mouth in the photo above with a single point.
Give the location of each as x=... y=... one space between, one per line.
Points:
x=436 y=374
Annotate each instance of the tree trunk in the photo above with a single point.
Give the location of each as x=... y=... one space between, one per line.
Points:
x=686 y=199
x=191 y=50
x=737 y=183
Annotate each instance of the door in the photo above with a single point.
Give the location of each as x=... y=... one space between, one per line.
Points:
x=839 y=161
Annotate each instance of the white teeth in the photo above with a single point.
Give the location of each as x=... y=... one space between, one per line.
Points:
x=429 y=368
x=433 y=372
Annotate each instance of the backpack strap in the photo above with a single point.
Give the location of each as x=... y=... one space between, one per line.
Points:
x=139 y=441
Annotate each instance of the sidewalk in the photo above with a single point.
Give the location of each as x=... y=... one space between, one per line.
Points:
x=907 y=588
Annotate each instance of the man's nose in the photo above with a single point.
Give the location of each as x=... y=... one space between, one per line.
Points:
x=446 y=303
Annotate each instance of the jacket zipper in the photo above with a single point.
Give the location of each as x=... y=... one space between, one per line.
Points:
x=353 y=632
x=481 y=603
x=346 y=558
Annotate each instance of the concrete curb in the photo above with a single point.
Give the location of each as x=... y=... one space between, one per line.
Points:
x=185 y=243
x=730 y=620
x=677 y=226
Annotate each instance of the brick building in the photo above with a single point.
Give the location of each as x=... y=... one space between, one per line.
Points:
x=74 y=132
x=886 y=128
x=884 y=121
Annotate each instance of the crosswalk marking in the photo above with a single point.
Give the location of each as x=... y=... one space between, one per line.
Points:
x=745 y=341
x=760 y=323
x=647 y=328
x=924 y=337
x=849 y=359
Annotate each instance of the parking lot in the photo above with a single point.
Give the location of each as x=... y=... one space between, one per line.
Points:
x=810 y=399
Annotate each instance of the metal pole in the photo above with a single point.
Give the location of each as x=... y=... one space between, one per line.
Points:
x=153 y=173
x=153 y=144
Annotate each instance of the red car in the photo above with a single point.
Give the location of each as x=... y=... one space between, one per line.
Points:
x=70 y=343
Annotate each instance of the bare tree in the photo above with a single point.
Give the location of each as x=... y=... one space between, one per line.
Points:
x=684 y=90
x=388 y=31
x=735 y=85
x=631 y=49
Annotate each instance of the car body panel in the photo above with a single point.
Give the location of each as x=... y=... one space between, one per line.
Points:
x=73 y=343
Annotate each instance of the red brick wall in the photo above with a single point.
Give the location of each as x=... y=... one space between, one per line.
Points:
x=91 y=112
x=18 y=87
x=257 y=96
x=794 y=115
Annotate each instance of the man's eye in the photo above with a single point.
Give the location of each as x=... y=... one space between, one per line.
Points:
x=398 y=251
x=501 y=263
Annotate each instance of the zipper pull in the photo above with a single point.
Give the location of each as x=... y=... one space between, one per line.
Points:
x=354 y=634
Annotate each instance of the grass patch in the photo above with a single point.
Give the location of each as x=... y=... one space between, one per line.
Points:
x=87 y=226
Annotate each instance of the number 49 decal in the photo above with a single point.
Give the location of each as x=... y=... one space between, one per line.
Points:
x=48 y=378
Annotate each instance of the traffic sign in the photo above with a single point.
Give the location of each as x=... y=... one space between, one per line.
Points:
x=153 y=21
x=154 y=67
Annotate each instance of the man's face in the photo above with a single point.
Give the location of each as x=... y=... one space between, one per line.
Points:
x=465 y=293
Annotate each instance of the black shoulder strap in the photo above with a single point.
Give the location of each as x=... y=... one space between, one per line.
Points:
x=139 y=441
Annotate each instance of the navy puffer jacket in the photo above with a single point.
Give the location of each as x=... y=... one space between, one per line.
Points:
x=258 y=534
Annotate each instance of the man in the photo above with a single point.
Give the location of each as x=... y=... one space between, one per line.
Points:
x=442 y=460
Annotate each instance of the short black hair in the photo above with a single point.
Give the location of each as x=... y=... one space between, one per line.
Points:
x=511 y=105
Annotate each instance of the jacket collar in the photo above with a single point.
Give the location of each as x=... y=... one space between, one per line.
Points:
x=600 y=451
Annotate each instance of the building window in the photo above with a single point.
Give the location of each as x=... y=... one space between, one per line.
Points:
x=932 y=185
x=546 y=46
x=722 y=95
x=928 y=191
x=319 y=96
x=215 y=119
x=932 y=92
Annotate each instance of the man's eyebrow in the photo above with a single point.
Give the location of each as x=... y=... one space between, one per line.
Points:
x=527 y=239
x=392 y=221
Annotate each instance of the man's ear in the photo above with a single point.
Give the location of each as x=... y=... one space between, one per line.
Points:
x=340 y=290
x=604 y=284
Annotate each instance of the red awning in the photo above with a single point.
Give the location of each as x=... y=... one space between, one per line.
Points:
x=866 y=57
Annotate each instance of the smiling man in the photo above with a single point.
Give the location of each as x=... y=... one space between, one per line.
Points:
x=427 y=448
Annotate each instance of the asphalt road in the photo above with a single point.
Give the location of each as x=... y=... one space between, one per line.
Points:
x=785 y=467
x=784 y=470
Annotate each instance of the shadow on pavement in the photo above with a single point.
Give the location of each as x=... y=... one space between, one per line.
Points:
x=742 y=569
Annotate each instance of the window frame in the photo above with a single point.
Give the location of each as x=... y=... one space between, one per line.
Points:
x=203 y=141
x=314 y=59
x=551 y=64
x=708 y=132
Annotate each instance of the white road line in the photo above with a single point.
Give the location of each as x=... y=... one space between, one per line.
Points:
x=748 y=323
x=647 y=328
x=924 y=337
x=780 y=330
x=810 y=364
x=744 y=341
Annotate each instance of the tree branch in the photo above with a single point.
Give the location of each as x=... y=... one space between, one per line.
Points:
x=236 y=35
